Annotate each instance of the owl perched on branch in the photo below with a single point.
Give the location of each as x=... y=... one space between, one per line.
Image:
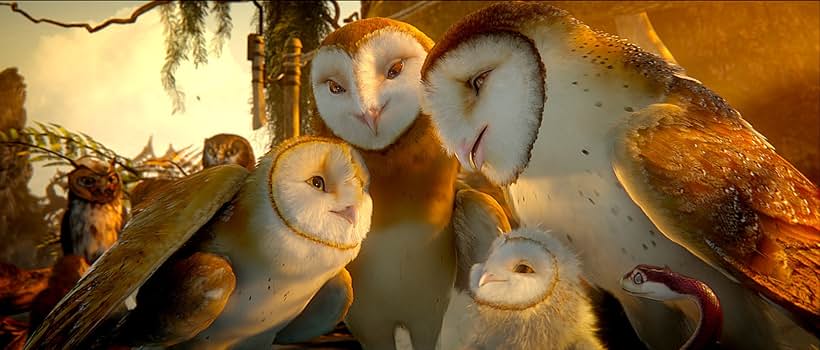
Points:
x=95 y=212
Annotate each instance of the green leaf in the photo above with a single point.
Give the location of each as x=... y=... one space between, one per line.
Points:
x=13 y=134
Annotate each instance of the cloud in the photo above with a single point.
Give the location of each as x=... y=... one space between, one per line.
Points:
x=108 y=86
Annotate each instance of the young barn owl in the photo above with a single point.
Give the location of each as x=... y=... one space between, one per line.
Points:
x=606 y=142
x=219 y=259
x=365 y=79
x=95 y=213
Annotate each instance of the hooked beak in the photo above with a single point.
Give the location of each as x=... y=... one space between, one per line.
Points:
x=489 y=277
x=471 y=154
x=371 y=118
x=348 y=213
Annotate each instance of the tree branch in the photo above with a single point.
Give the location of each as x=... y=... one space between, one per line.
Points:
x=334 y=22
x=91 y=29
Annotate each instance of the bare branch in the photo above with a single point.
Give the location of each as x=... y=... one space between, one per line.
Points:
x=334 y=22
x=91 y=29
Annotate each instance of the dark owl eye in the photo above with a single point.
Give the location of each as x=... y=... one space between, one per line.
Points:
x=523 y=268
x=395 y=70
x=87 y=181
x=478 y=81
x=112 y=179
x=334 y=87
x=318 y=183
x=229 y=153
x=638 y=278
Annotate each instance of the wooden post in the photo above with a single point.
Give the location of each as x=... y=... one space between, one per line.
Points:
x=292 y=70
x=256 y=54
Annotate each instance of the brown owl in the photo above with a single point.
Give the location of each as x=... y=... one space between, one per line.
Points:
x=95 y=212
x=227 y=149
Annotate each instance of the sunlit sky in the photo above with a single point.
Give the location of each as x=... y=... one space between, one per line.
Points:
x=107 y=84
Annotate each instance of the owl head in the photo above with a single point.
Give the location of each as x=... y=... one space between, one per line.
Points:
x=227 y=149
x=484 y=86
x=366 y=82
x=319 y=188
x=95 y=181
x=522 y=270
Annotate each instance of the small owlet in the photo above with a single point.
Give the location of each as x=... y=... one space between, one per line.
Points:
x=227 y=149
x=95 y=212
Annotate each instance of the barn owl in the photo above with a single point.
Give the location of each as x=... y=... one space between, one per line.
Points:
x=227 y=149
x=638 y=164
x=523 y=289
x=365 y=79
x=95 y=211
x=528 y=295
x=219 y=259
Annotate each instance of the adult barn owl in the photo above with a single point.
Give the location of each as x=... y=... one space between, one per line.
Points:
x=365 y=79
x=219 y=257
x=606 y=142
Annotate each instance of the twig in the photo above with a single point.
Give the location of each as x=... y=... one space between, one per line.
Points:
x=91 y=29
x=334 y=22
x=42 y=149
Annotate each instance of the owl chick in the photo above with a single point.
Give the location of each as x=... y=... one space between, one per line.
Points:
x=227 y=149
x=365 y=79
x=219 y=258
x=528 y=295
x=95 y=213
x=606 y=142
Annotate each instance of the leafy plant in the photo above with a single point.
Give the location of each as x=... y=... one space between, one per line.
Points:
x=57 y=146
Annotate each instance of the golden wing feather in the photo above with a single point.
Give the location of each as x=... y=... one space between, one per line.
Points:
x=478 y=220
x=712 y=184
x=159 y=227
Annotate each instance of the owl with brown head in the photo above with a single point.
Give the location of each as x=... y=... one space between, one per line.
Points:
x=227 y=149
x=95 y=213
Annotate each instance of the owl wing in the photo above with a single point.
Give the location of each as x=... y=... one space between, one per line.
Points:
x=712 y=184
x=478 y=220
x=158 y=228
x=327 y=308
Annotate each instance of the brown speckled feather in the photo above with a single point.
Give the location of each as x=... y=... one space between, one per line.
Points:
x=715 y=186
x=147 y=241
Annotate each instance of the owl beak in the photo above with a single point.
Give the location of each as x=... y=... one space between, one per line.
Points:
x=471 y=154
x=489 y=277
x=371 y=119
x=348 y=213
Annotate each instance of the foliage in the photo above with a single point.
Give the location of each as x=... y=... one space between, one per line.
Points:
x=57 y=146
x=184 y=23
x=306 y=20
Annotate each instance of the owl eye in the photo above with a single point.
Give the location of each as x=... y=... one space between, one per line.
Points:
x=317 y=182
x=523 y=268
x=478 y=81
x=638 y=278
x=334 y=87
x=229 y=153
x=87 y=181
x=395 y=69
x=113 y=179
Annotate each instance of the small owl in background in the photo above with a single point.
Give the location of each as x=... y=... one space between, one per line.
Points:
x=95 y=213
x=227 y=149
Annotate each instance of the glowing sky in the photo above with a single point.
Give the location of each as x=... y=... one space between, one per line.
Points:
x=107 y=84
